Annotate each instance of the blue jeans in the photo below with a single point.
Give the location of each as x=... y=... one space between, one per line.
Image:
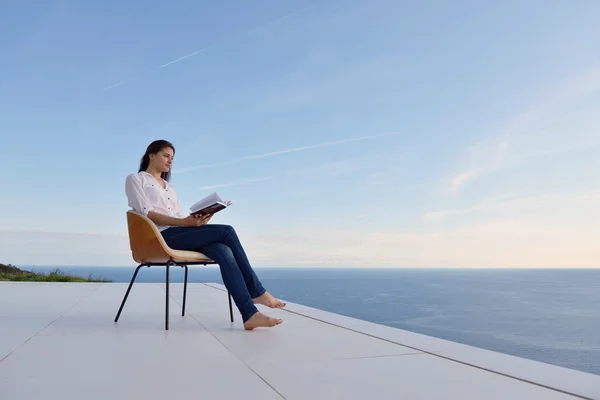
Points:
x=221 y=244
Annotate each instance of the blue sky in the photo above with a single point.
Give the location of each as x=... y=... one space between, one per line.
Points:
x=347 y=133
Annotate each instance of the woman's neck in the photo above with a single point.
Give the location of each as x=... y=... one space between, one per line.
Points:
x=154 y=173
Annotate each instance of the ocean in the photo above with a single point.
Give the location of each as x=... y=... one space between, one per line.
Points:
x=548 y=315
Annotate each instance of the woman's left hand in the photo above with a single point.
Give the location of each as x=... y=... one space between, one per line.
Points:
x=204 y=218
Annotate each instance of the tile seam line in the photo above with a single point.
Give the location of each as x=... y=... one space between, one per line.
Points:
x=53 y=321
x=379 y=356
x=579 y=396
x=224 y=345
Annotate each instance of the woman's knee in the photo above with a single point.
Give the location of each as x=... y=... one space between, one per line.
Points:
x=220 y=253
x=228 y=229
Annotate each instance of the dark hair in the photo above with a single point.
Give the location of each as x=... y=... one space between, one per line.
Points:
x=154 y=148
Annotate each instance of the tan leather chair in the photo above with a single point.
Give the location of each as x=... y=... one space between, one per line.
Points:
x=149 y=248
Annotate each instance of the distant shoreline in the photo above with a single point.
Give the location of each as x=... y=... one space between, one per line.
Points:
x=11 y=273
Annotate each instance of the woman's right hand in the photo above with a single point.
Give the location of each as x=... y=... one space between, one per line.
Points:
x=192 y=220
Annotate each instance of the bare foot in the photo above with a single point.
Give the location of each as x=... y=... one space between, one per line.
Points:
x=261 y=320
x=267 y=300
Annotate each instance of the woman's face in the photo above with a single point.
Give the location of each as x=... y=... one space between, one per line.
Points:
x=162 y=160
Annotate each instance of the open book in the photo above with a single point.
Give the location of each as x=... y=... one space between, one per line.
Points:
x=209 y=205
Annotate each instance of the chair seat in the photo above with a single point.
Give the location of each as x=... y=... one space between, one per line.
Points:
x=185 y=255
x=148 y=245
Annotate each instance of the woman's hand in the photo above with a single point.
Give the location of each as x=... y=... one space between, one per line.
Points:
x=204 y=218
x=196 y=220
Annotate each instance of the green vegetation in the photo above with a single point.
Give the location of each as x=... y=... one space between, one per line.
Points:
x=12 y=273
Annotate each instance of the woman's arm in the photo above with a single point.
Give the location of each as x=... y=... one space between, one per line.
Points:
x=162 y=219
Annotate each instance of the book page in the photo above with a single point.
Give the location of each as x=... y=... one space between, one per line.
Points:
x=205 y=202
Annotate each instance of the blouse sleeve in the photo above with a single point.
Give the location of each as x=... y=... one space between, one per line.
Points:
x=135 y=195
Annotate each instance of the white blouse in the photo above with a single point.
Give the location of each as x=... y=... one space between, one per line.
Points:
x=145 y=193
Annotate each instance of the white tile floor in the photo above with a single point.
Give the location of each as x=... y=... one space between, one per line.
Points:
x=59 y=341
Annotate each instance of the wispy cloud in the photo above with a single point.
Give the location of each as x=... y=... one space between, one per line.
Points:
x=494 y=203
x=518 y=206
x=530 y=241
x=368 y=162
x=218 y=42
x=236 y=183
x=558 y=124
x=441 y=215
x=329 y=167
x=285 y=151
x=536 y=231
x=335 y=168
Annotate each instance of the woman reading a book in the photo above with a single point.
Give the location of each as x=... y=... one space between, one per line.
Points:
x=150 y=193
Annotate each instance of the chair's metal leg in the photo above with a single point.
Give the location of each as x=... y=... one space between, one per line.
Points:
x=230 y=309
x=184 y=290
x=167 y=296
x=128 y=290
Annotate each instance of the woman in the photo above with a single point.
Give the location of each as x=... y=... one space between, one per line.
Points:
x=150 y=193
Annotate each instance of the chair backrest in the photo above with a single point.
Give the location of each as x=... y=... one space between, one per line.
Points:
x=145 y=240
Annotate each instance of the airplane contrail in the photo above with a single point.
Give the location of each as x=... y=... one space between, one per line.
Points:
x=284 y=151
x=115 y=85
x=184 y=57
x=195 y=53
